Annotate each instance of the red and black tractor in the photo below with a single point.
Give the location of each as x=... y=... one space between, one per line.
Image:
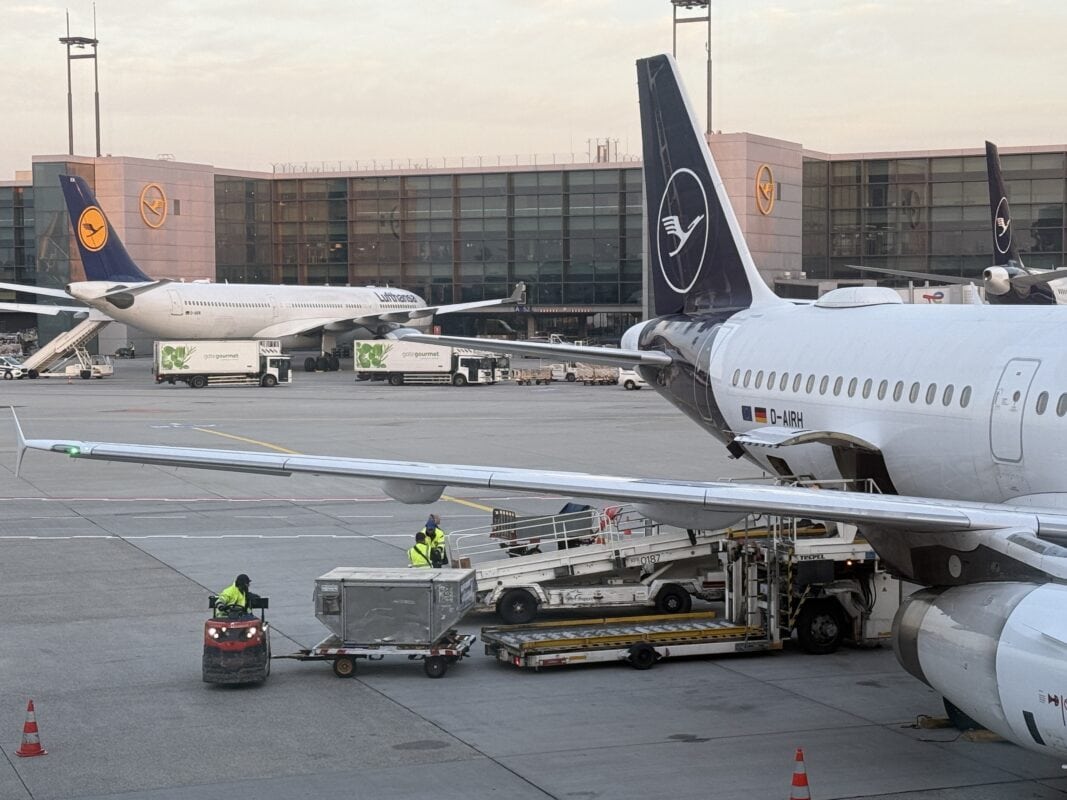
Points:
x=237 y=643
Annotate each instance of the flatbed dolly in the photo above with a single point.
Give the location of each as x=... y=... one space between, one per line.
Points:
x=640 y=641
x=436 y=658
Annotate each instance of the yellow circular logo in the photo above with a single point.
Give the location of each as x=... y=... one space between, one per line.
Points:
x=153 y=205
x=764 y=189
x=92 y=229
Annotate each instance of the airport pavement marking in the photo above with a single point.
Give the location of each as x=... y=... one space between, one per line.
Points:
x=478 y=506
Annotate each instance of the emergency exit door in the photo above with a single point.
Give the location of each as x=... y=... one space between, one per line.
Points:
x=1009 y=409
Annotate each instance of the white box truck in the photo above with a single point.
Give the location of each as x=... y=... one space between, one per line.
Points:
x=252 y=362
x=401 y=362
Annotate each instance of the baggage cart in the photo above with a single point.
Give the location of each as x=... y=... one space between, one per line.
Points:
x=436 y=657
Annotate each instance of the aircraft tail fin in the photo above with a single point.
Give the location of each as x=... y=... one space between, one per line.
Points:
x=699 y=260
x=103 y=254
x=1004 y=251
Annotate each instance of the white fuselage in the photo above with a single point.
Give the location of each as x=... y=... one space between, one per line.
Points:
x=242 y=311
x=964 y=402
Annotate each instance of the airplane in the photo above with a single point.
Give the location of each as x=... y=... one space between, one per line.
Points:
x=956 y=414
x=1008 y=281
x=300 y=316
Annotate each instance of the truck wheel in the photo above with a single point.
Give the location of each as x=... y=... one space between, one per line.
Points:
x=85 y=374
x=9 y=375
x=517 y=607
x=344 y=666
x=362 y=376
x=673 y=599
x=630 y=385
x=571 y=377
x=396 y=380
x=268 y=381
x=309 y=364
x=820 y=627
x=459 y=380
x=435 y=666
x=642 y=656
x=198 y=382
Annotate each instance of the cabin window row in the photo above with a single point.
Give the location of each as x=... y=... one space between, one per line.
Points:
x=220 y=304
x=799 y=383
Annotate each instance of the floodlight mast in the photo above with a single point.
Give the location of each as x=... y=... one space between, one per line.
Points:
x=81 y=42
x=688 y=5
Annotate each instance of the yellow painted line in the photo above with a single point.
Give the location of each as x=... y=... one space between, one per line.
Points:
x=469 y=503
x=268 y=445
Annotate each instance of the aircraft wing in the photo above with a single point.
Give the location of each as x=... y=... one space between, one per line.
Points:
x=610 y=356
x=44 y=308
x=1035 y=278
x=920 y=276
x=41 y=290
x=401 y=317
x=297 y=327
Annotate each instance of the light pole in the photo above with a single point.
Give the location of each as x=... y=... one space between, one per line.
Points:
x=689 y=5
x=81 y=42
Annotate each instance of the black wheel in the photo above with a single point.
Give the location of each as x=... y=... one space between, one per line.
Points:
x=517 y=607
x=344 y=666
x=362 y=376
x=459 y=380
x=820 y=626
x=268 y=381
x=571 y=377
x=396 y=380
x=32 y=374
x=673 y=599
x=435 y=666
x=85 y=374
x=643 y=656
x=630 y=385
x=960 y=721
x=8 y=375
x=335 y=363
x=198 y=381
x=322 y=364
x=309 y=364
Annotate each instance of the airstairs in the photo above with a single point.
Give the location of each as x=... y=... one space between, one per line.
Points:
x=64 y=347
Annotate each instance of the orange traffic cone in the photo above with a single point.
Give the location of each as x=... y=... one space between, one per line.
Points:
x=31 y=741
x=800 y=779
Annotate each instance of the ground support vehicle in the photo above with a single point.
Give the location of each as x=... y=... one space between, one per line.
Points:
x=528 y=377
x=375 y=612
x=236 y=644
x=79 y=364
x=597 y=376
x=630 y=379
x=640 y=641
x=11 y=368
x=199 y=363
x=565 y=372
x=400 y=362
x=67 y=351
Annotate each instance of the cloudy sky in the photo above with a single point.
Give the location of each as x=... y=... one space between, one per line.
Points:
x=245 y=84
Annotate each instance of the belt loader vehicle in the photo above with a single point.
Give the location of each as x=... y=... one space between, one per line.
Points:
x=400 y=362
x=203 y=362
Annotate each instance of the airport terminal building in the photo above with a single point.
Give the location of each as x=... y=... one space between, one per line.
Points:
x=572 y=233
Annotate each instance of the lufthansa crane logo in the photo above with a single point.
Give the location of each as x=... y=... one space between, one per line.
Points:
x=1002 y=227
x=153 y=205
x=92 y=229
x=764 y=189
x=682 y=233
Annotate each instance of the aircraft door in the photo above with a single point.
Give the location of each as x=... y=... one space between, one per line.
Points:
x=273 y=301
x=177 y=305
x=1009 y=407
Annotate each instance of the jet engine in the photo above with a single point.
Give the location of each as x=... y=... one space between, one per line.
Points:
x=997 y=280
x=997 y=652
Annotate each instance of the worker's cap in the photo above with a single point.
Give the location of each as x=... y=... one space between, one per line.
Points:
x=242 y=580
x=431 y=522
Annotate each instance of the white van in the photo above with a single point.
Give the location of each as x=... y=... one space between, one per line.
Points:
x=629 y=379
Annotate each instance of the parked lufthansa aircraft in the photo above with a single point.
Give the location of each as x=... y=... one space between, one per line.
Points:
x=298 y=315
x=957 y=413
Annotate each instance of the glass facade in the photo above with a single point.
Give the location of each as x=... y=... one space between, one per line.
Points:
x=928 y=214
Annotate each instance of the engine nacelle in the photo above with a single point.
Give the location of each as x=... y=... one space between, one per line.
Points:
x=995 y=650
x=997 y=280
x=631 y=339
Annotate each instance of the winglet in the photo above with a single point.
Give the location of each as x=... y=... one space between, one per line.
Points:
x=519 y=295
x=21 y=451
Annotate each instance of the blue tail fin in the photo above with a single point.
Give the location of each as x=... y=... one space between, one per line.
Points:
x=1004 y=252
x=103 y=256
x=697 y=255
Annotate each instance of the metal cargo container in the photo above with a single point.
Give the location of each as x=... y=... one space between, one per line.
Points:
x=393 y=605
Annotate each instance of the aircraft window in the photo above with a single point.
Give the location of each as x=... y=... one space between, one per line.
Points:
x=852 y=387
x=1042 y=402
x=883 y=387
x=837 y=385
x=811 y=384
x=1061 y=405
x=898 y=391
x=796 y=382
x=737 y=377
x=965 y=397
x=770 y=381
x=867 y=384
x=748 y=377
x=759 y=379
x=784 y=382
x=946 y=399
x=823 y=384
x=913 y=394
x=931 y=394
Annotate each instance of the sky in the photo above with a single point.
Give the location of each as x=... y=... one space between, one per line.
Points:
x=248 y=84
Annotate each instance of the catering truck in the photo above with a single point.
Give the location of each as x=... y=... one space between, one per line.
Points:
x=400 y=362
x=252 y=362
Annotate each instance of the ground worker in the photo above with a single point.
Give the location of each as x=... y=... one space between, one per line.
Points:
x=435 y=538
x=236 y=594
x=419 y=553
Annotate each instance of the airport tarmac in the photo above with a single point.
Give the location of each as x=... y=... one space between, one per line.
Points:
x=105 y=571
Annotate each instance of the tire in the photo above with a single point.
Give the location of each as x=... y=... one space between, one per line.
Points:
x=396 y=380
x=8 y=375
x=459 y=380
x=268 y=381
x=33 y=374
x=85 y=374
x=362 y=376
x=344 y=666
x=517 y=607
x=335 y=363
x=642 y=656
x=673 y=599
x=960 y=721
x=322 y=364
x=435 y=666
x=630 y=385
x=820 y=627
x=309 y=364
x=198 y=382
x=571 y=377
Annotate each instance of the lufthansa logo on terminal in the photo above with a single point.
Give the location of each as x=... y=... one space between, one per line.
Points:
x=92 y=229
x=764 y=189
x=153 y=205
